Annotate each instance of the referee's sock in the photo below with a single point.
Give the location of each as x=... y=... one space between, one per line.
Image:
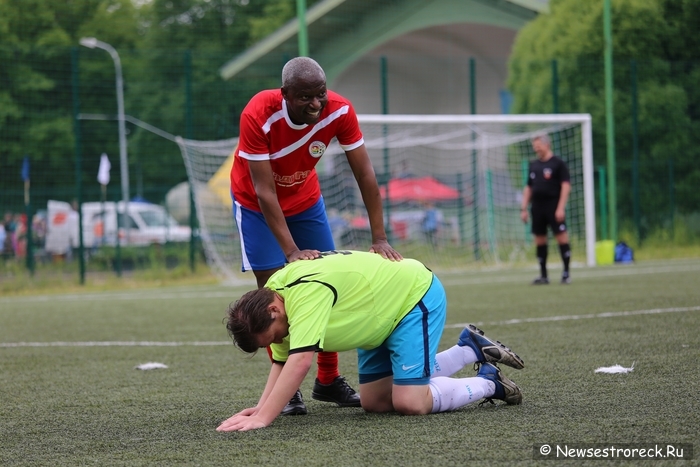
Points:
x=542 y=258
x=565 y=251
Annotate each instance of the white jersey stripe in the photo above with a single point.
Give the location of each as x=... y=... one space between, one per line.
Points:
x=270 y=121
x=239 y=218
x=305 y=139
x=353 y=146
x=254 y=157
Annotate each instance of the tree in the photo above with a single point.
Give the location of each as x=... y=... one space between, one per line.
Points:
x=162 y=44
x=36 y=84
x=659 y=38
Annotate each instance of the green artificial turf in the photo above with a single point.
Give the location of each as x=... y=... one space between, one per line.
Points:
x=77 y=399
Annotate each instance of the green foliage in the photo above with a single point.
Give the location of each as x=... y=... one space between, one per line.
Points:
x=276 y=13
x=170 y=53
x=656 y=37
x=172 y=50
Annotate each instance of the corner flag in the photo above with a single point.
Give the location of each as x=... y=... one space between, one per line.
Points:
x=103 y=171
x=25 y=169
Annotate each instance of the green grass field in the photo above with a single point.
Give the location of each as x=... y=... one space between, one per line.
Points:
x=71 y=396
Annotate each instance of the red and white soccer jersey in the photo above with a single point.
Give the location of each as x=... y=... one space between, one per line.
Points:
x=267 y=133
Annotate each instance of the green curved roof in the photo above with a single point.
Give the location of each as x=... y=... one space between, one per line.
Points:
x=341 y=31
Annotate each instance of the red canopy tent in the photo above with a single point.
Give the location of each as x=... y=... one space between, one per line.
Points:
x=418 y=189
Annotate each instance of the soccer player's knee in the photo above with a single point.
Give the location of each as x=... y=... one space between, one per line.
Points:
x=408 y=407
x=411 y=402
x=375 y=406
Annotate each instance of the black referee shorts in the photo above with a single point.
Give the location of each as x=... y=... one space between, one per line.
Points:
x=543 y=216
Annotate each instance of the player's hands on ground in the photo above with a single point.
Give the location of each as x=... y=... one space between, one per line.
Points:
x=242 y=423
x=243 y=413
x=302 y=254
x=383 y=248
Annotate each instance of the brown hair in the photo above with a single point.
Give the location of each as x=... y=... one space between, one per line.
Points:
x=248 y=316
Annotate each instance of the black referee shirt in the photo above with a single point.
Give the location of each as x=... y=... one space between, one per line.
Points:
x=545 y=178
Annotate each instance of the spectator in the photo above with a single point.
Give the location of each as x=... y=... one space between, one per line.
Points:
x=430 y=223
x=20 y=237
x=8 y=248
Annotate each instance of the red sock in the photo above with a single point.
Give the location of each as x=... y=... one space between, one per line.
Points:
x=327 y=367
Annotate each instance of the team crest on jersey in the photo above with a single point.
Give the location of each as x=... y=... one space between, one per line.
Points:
x=547 y=173
x=316 y=149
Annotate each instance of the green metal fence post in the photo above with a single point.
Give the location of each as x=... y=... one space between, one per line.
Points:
x=491 y=215
x=610 y=119
x=78 y=157
x=460 y=209
x=30 y=247
x=555 y=87
x=671 y=197
x=556 y=143
x=636 y=208
x=189 y=135
x=303 y=34
x=525 y=168
x=387 y=172
x=603 y=198
x=29 y=251
x=475 y=165
x=118 y=250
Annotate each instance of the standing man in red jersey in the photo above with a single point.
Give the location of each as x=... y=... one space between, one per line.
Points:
x=277 y=200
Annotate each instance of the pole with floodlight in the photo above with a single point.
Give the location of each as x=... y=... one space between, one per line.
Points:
x=93 y=43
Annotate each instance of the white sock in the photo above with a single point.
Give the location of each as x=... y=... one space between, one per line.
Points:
x=453 y=393
x=450 y=361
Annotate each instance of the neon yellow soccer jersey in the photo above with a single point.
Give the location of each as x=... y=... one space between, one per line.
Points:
x=346 y=300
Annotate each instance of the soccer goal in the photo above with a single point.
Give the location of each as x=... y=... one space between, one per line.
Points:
x=451 y=185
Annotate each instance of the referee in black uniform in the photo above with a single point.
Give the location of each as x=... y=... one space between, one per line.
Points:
x=548 y=187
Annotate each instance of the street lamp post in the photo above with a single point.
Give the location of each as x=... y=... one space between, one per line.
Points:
x=93 y=43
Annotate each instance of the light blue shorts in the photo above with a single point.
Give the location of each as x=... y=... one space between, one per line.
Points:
x=259 y=248
x=409 y=352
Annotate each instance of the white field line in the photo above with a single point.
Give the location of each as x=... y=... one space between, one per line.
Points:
x=507 y=277
x=131 y=296
x=114 y=344
x=611 y=314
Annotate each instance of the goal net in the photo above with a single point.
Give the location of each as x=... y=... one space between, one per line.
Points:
x=451 y=187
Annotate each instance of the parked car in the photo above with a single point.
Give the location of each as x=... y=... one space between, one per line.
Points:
x=144 y=224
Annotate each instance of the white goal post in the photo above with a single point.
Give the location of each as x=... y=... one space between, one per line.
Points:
x=468 y=170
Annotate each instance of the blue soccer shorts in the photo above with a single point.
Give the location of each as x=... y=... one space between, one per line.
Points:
x=259 y=248
x=409 y=352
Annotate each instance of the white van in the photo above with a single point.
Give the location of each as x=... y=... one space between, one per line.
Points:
x=145 y=224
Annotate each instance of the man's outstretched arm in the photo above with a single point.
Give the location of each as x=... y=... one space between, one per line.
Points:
x=367 y=182
x=281 y=386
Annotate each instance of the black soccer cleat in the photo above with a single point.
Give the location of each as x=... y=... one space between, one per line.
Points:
x=488 y=350
x=295 y=406
x=506 y=390
x=540 y=281
x=339 y=392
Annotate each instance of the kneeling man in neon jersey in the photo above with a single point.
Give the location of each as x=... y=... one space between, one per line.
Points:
x=392 y=312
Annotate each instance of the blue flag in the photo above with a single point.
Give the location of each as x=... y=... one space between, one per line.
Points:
x=25 y=169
